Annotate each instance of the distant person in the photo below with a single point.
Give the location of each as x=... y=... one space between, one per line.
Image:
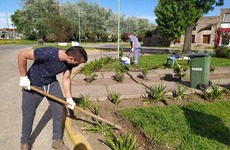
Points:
x=41 y=41
x=135 y=47
x=48 y=62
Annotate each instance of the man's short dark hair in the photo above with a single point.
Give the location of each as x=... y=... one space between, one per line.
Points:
x=77 y=52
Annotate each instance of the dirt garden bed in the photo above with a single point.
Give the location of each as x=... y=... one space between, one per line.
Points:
x=108 y=111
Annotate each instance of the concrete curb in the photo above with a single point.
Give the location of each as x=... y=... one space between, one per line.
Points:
x=77 y=140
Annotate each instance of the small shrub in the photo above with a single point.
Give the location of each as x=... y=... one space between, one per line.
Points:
x=119 y=77
x=122 y=142
x=85 y=101
x=89 y=69
x=95 y=109
x=91 y=77
x=216 y=93
x=114 y=97
x=155 y=92
x=101 y=128
x=179 y=92
x=120 y=69
x=223 y=51
x=145 y=71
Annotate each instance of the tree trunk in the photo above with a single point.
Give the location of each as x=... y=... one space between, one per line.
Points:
x=188 y=40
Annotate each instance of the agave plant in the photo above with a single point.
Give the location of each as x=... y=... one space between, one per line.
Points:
x=103 y=129
x=95 y=109
x=122 y=142
x=114 y=97
x=85 y=101
x=144 y=73
x=155 y=92
x=214 y=94
x=179 y=92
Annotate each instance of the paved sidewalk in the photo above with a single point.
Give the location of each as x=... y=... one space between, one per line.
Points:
x=132 y=88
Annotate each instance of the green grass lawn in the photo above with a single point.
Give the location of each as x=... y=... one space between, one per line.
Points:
x=195 y=126
x=159 y=60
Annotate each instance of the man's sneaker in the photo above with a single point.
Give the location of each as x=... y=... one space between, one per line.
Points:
x=25 y=146
x=59 y=145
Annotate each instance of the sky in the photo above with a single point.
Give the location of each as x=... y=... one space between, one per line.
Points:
x=137 y=8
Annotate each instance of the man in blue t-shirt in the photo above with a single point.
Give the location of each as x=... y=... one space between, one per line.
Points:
x=135 y=47
x=48 y=62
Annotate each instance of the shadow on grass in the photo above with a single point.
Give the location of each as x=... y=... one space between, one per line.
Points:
x=208 y=126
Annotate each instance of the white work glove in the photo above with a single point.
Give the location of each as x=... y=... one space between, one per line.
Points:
x=25 y=82
x=132 y=49
x=72 y=103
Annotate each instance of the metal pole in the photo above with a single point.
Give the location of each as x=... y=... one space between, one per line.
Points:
x=7 y=23
x=7 y=27
x=118 y=30
x=13 y=31
x=79 y=26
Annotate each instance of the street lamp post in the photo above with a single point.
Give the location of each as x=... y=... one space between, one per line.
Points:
x=79 y=25
x=118 y=30
x=13 y=31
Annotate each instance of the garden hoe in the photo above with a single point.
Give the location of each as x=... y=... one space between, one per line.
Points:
x=129 y=54
x=76 y=107
x=175 y=59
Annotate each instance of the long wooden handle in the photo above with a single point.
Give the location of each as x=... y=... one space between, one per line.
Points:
x=76 y=107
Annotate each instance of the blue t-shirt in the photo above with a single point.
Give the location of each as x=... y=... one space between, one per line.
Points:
x=46 y=66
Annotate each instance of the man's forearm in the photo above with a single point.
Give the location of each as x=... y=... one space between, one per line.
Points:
x=66 y=83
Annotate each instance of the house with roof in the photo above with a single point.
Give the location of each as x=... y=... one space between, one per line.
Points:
x=8 y=33
x=223 y=28
x=208 y=32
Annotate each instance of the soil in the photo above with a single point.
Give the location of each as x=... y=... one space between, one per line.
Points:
x=109 y=111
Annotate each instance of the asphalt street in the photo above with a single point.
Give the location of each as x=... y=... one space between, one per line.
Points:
x=10 y=108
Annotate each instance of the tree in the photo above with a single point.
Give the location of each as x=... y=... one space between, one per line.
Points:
x=175 y=16
x=16 y=21
x=195 y=9
x=94 y=21
x=170 y=20
x=33 y=17
x=61 y=27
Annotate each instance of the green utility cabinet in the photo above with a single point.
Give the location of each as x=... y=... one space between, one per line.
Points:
x=199 y=70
